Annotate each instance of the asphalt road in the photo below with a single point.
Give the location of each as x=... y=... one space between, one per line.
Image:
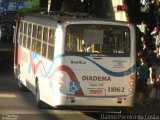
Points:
x=18 y=105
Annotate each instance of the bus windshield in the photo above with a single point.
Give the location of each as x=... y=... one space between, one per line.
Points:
x=99 y=39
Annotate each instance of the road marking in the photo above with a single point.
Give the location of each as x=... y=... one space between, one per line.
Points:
x=7 y=95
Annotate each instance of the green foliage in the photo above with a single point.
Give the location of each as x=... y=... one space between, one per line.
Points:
x=31 y=6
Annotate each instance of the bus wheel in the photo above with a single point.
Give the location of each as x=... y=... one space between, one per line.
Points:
x=40 y=104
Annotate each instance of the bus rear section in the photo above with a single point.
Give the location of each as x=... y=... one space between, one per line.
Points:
x=97 y=67
x=76 y=62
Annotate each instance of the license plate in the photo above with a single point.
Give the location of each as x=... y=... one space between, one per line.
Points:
x=96 y=92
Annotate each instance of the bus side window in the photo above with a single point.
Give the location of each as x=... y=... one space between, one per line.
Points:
x=24 y=40
x=38 y=47
x=20 y=35
x=33 y=46
x=51 y=36
x=34 y=33
x=45 y=34
x=29 y=29
x=39 y=38
x=25 y=34
x=44 y=49
x=39 y=33
x=21 y=27
x=51 y=44
x=29 y=43
x=25 y=28
x=29 y=35
x=44 y=45
x=20 y=39
x=50 y=52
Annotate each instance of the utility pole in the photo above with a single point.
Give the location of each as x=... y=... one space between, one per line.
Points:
x=49 y=5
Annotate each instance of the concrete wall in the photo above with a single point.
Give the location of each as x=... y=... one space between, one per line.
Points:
x=108 y=9
x=119 y=15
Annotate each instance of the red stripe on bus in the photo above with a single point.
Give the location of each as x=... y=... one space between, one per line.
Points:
x=19 y=55
x=64 y=68
x=71 y=75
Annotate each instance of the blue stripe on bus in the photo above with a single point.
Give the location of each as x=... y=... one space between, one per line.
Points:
x=35 y=57
x=116 y=74
x=109 y=72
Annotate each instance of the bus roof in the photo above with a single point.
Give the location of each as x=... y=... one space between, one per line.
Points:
x=62 y=17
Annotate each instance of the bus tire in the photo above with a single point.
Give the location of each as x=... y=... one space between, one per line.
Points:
x=40 y=104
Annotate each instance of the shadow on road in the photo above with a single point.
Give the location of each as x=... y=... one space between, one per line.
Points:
x=15 y=102
x=6 y=67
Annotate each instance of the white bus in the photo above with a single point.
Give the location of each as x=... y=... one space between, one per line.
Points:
x=73 y=61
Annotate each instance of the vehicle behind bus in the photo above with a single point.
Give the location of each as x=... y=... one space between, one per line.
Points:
x=7 y=22
x=69 y=61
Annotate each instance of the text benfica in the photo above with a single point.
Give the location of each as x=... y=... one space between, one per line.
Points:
x=96 y=78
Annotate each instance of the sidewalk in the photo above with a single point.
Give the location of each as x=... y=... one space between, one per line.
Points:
x=149 y=106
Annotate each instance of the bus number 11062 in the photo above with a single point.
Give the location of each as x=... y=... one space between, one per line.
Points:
x=115 y=89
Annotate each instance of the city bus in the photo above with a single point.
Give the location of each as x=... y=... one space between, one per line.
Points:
x=74 y=60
